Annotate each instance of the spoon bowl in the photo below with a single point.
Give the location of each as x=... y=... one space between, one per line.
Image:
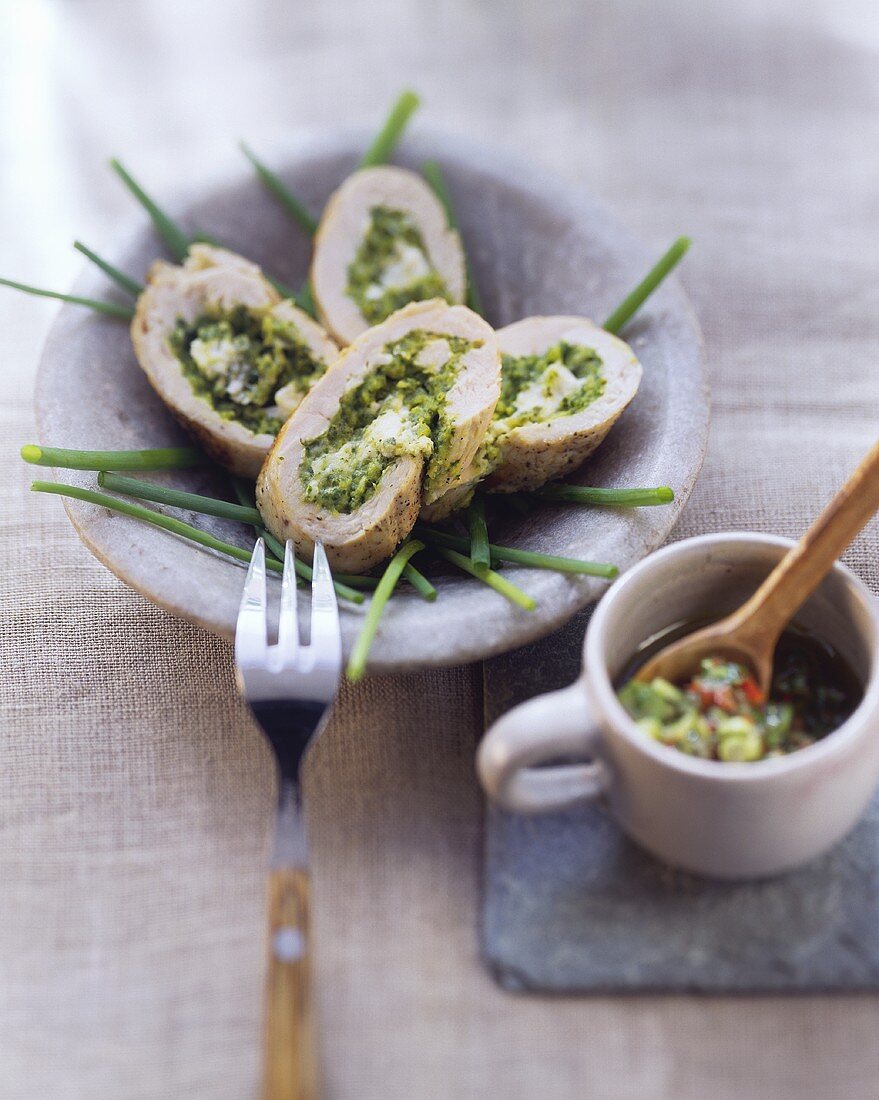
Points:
x=749 y=635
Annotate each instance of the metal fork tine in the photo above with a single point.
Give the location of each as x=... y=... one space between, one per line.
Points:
x=288 y=625
x=250 y=634
x=326 y=637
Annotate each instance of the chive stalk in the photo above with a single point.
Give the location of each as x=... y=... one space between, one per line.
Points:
x=494 y=580
x=178 y=242
x=531 y=558
x=168 y=523
x=159 y=458
x=271 y=542
x=382 y=148
x=178 y=498
x=282 y=193
x=633 y=302
x=112 y=309
x=480 y=553
x=354 y=580
x=393 y=572
x=617 y=498
x=434 y=176
x=129 y=285
x=419 y=582
x=304 y=298
x=275 y=549
x=342 y=582
x=170 y=232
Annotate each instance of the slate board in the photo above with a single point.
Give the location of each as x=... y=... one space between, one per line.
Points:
x=571 y=906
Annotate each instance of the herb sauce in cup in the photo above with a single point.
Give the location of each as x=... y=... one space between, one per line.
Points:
x=721 y=714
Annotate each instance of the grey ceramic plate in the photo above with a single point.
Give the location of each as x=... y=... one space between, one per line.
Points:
x=536 y=246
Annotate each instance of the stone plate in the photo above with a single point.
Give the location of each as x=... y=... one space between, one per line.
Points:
x=537 y=246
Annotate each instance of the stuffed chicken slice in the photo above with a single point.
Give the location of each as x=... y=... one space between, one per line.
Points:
x=383 y=241
x=228 y=355
x=391 y=426
x=565 y=382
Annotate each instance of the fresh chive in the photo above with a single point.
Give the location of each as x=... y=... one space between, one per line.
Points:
x=434 y=176
x=167 y=523
x=480 y=554
x=205 y=238
x=178 y=242
x=531 y=558
x=304 y=298
x=271 y=542
x=382 y=148
x=420 y=583
x=170 y=232
x=349 y=580
x=392 y=573
x=358 y=580
x=344 y=583
x=341 y=581
x=119 y=277
x=245 y=491
x=631 y=304
x=112 y=309
x=160 y=458
x=178 y=498
x=494 y=580
x=618 y=498
x=282 y=193
x=353 y=580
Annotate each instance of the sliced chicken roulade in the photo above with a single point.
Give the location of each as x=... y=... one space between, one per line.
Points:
x=565 y=383
x=392 y=426
x=226 y=353
x=383 y=241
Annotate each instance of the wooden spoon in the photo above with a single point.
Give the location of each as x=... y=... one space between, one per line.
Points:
x=750 y=634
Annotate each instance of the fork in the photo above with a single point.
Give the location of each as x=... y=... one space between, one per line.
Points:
x=290 y=688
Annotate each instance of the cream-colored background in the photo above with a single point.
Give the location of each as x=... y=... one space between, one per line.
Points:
x=135 y=795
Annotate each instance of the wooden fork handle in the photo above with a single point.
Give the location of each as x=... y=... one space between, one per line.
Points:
x=290 y=1066
x=788 y=587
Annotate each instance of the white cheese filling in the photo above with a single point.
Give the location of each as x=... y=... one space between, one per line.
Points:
x=221 y=356
x=409 y=265
x=546 y=393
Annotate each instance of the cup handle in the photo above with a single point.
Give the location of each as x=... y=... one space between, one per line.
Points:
x=546 y=728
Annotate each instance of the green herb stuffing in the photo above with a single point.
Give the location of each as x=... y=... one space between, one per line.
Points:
x=398 y=409
x=239 y=361
x=520 y=372
x=563 y=380
x=391 y=267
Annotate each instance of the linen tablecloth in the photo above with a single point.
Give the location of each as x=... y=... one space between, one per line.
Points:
x=136 y=796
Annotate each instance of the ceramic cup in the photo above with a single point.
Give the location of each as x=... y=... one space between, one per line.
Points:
x=725 y=820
